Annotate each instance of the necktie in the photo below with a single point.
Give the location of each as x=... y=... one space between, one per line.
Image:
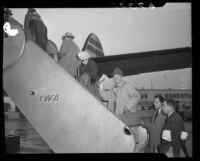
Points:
x=166 y=120
x=114 y=110
x=115 y=101
x=156 y=116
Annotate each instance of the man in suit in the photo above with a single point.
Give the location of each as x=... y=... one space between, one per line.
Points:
x=171 y=133
x=157 y=123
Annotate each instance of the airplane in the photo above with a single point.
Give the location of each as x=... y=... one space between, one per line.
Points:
x=66 y=115
x=144 y=62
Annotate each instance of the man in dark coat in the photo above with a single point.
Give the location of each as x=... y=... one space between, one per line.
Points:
x=87 y=65
x=171 y=133
x=157 y=123
x=35 y=29
x=89 y=72
x=27 y=20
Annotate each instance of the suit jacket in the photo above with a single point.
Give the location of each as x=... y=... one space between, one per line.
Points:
x=175 y=124
x=156 y=129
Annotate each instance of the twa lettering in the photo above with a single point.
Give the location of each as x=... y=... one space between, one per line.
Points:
x=49 y=98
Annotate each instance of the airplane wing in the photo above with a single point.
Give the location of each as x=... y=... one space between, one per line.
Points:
x=144 y=62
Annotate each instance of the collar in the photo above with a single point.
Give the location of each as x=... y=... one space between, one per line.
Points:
x=122 y=84
x=119 y=87
x=158 y=111
x=170 y=113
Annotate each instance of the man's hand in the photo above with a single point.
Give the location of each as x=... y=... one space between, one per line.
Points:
x=102 y=80
x=126 y=109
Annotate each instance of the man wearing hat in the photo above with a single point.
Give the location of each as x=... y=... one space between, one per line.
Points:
x=7 y=14
x=35 y=29
x=122 y=99
x=126 y=96
x=26 y=22
x=68 y=36
x=67 y=55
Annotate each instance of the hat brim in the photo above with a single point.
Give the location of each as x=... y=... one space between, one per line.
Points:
x=70 y=36
x=117 y=74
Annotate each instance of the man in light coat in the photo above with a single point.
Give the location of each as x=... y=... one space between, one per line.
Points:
x=123 y=97
x=67 y=57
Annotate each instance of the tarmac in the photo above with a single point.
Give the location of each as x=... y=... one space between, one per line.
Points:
x=32 y=143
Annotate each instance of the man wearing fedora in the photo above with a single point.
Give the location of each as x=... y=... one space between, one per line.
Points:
x=67 y=55
x=124 y=95
x=122 y=100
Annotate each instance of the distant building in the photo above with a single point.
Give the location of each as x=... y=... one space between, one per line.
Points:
x=183 y=97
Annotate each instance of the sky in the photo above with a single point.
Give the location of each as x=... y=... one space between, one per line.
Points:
x=126 y=30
